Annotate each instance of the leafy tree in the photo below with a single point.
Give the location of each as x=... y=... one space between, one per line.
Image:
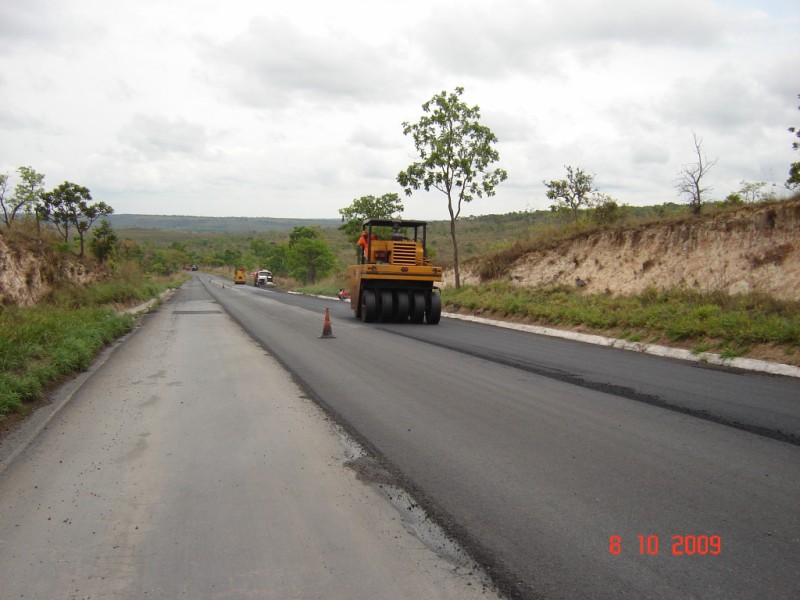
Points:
x=270 y=255
x=230 y=256
x=27 y=194
x=104 y=241
x=309 y=259
x=259 y=248
x=689 y=182
x=303 y=233
x=61 y=206
x=274 y=256
x=752 y=191
x=89 y=213
x=387 y=206
x=571 y=193
x=733 y=199
x=794 y=176
x=456 y=154
x=67 y=206
x=607 y=210
x=277 y=259
x=163 y=261
x=794 y=169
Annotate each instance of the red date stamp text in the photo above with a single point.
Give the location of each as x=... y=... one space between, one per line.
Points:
x=679 y=545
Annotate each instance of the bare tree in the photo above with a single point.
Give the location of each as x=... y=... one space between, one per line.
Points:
x=689 y=182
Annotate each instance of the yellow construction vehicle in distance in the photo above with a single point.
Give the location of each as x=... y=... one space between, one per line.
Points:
x=239 y=277
x=394 y=280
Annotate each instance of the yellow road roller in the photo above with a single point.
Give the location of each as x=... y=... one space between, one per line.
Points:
x=394 y=279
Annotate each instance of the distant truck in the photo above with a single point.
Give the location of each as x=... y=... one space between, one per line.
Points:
x=263 y=278
x=240 y=277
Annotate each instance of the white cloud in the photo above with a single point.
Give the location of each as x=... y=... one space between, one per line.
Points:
x=544 y=38
x=154 y=137
x=374 y=139
x=252 y=108
x=275 y=62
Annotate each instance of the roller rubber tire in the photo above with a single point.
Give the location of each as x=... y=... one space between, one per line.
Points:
x=418 y=307
x=387 y=307
x=369 y=306
x=433 y=313
x=402 y=307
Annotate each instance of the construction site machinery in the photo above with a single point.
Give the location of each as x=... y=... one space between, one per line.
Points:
x=394 y=280
x=240 y=277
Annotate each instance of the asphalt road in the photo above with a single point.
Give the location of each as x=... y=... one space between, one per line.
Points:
x=190 y=465
x=569 y=471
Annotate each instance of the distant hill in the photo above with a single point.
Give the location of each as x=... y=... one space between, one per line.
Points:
x=214 y=224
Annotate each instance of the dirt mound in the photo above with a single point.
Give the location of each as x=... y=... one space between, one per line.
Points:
x=29 y=269
x=754 y=249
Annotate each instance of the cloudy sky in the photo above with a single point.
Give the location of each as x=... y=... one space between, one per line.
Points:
x=278 y=109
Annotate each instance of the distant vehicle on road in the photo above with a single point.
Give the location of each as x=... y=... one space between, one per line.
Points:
x=240 y=278
x=263 y=278
x=194 y=267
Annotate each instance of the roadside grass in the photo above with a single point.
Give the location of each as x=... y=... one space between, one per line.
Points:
x=710 y=320
x=129 y=286
x=39 y=345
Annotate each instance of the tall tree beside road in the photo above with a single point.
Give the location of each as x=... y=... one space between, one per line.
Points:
x=27 y=194
x=60 y=206
x=689 y=183
x=387 y=206
x=794 y=169
x=456 y=154
x=571 y=193
x=67 y=206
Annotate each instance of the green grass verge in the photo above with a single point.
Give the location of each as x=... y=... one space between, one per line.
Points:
x=677 y=315
x=61 y=336
x=41 y=344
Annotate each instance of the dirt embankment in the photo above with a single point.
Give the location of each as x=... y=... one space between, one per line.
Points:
x=29 y=269
x=755 y=249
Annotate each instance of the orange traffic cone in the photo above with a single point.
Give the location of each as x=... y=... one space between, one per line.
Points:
x=326 y=325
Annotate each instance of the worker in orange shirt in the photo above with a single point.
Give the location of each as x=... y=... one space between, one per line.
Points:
x=362 y=243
